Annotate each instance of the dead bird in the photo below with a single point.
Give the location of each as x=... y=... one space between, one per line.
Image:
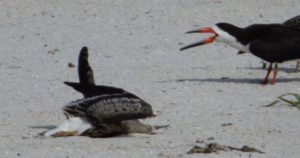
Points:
x=105 y=111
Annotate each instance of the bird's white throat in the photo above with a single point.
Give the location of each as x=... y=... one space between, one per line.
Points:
x=77 y=124
x=230 y=40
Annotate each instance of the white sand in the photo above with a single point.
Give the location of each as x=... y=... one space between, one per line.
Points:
x=134 y=44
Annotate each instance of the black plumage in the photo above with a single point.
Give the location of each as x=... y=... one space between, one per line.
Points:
x=94 y=90
x=274 y=43
x=293 y=23
x=110 y=110
x=85 y=72
x=86 y=84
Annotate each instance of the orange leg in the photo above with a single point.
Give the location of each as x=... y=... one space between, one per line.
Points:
x=265 y=81
x=275 y=71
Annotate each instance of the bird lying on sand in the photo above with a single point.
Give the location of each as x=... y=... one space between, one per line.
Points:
x=274 y=43
x=105 y=111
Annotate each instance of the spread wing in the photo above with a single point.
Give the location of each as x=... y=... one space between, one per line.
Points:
x=110 y=108
x=91 y=90
x=85 y=72
x=86 y=84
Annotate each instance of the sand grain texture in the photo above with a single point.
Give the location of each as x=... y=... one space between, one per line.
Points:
x=135 y=45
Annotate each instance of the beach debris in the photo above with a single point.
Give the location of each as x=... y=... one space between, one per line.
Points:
x=215 y=148
x=53 y=51
x=227 y=124
x=291 y=102
x=71 y=65
x=211 y=138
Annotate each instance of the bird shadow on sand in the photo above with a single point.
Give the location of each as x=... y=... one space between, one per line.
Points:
x=43 y=127
x=231 y=80
x=283 y=69
x=46 y=128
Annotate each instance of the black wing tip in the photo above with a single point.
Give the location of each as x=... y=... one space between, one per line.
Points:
x=70 y=83
x=84 y=48
x=84 y=51
x=77 y=86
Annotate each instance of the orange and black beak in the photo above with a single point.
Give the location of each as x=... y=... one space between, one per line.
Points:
x=206 y=41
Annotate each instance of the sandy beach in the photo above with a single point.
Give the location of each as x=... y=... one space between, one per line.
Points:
x=206 y=94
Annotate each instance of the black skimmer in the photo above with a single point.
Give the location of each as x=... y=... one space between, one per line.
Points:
x=105 y=111
x=293 y=23
x=274 y=43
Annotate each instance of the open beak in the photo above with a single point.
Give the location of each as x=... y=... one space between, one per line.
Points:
x=206 y=41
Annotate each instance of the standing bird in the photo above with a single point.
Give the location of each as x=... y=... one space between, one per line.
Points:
x=293 y=23
x=274 y=43
x=105 y=111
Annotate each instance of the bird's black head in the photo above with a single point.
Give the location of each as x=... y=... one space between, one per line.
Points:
x=226 y=27
x=238 y=33
x=229 y=28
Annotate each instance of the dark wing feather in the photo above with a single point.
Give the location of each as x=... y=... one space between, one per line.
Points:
x=86 y=84
x=85 y=72
x=276 y=51
x=91 y=91
x=293 y=22
x=277 y=43
x=110 y=108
